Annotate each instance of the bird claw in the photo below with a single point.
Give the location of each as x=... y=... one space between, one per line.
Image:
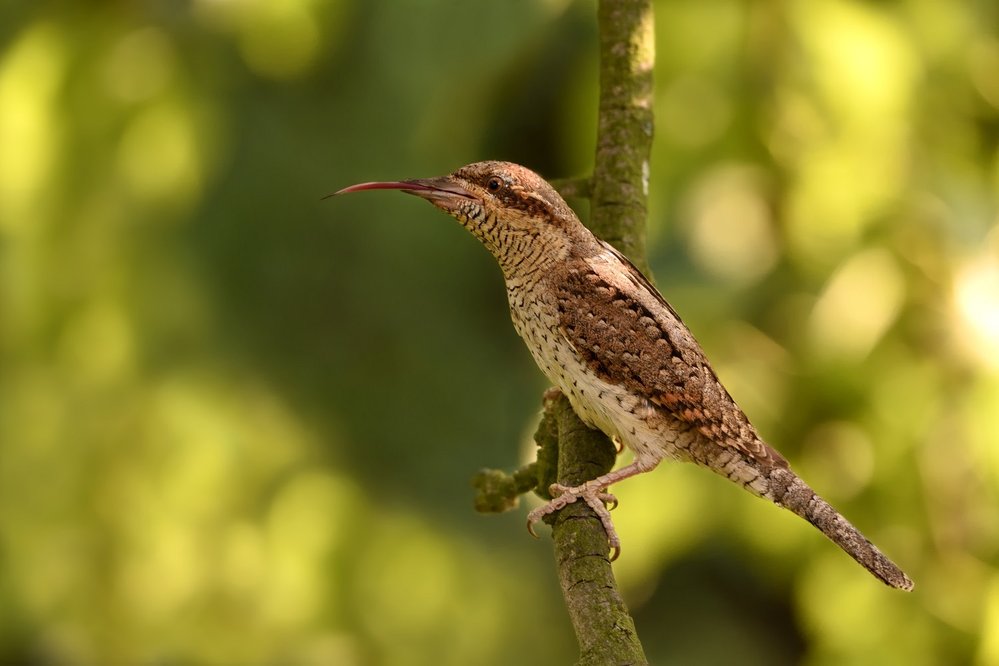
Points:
x=594 y=496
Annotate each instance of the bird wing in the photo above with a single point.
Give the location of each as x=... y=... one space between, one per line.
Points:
x=628 y=334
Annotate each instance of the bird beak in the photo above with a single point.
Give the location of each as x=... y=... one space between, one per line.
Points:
x=435 y=190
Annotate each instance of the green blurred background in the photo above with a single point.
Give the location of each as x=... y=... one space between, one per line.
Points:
x=238 y=423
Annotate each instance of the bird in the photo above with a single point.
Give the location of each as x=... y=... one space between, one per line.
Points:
x=606 y=337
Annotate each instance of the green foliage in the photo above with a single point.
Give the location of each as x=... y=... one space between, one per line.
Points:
x=237 y=423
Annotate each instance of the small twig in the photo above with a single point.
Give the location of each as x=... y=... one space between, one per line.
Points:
x=499 y=491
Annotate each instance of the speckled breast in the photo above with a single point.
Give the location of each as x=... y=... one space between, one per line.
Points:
x=598 y=403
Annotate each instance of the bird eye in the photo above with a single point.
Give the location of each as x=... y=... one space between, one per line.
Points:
x=494 y=184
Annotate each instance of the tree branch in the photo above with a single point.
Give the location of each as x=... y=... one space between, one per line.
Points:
x=620 y=183
x=570 y=452
x=618 y=193
x=604 y=629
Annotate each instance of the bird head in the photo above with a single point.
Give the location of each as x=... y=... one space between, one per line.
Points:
x=516 y=214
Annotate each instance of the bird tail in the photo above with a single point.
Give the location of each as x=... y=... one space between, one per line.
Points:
x=786 y=489
x=772 y=479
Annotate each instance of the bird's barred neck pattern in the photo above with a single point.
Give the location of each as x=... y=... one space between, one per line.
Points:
x=523 y=255
x=517 y=215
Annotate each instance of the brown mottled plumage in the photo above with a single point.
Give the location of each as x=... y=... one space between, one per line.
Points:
x=612 y=344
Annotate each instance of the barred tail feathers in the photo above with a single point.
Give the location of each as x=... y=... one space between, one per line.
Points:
x=772 y=479
x=789 y=491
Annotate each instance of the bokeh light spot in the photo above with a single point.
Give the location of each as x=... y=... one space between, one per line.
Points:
x=279 y=39
x=306 y=522
x=976 y=300
x=158 y=157
x=165 y=569
x=98 y=343
x=848 y=149
x=857 y=47
x=858 y=304
x=140 y=65
x=730 y=225
x=30 y=75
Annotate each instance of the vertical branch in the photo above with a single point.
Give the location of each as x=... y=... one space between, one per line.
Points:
x=604 y=629
x=620 y=184
x=618 y=190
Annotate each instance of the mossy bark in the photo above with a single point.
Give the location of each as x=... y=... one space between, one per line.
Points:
x=620 y=183
x=604 y=628
x=618 y=193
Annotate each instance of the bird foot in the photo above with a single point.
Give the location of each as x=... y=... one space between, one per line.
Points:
x=595 y=497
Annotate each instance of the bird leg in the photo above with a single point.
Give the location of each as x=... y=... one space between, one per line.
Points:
x=594 y=493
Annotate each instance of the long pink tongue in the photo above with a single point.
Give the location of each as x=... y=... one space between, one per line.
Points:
x=384 y=185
